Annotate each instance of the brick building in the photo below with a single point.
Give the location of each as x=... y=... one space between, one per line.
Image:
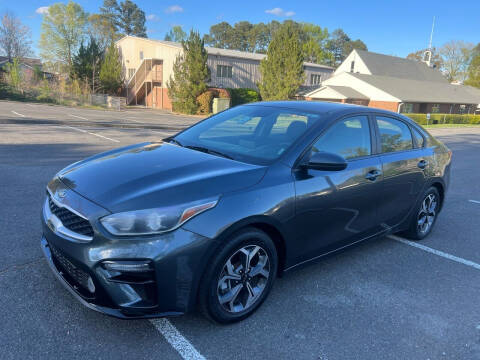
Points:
x=395 y=84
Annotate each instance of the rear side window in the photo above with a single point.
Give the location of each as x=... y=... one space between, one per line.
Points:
x=349 y=138
x=418 y=138
x=394 y=135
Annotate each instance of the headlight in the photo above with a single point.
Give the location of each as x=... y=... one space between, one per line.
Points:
x=154 y=221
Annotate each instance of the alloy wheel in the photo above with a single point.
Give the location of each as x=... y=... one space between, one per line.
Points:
x=427 y=213
x=243 y=279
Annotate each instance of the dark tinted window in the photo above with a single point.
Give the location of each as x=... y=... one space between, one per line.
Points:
x=394 y=135
x=418 y=137
x=349 y=138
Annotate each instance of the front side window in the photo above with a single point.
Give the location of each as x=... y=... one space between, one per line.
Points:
x=394 y=135
x=254 y=133
x=224 y=71
x=349 y=138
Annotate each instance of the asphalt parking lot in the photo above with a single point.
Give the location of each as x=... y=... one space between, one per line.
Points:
x=383 y=299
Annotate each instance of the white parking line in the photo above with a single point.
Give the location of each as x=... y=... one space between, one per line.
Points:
x=105 y=137
x=436 y=252
x=475 y=201
x=18 y=114
x=176 y=339
x=79 y=117
x=88 y=132
x=73 y=128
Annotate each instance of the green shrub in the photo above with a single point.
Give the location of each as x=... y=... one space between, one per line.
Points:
x=220 y=93
x=204 y=101
x=243 y=96
x=445 y=118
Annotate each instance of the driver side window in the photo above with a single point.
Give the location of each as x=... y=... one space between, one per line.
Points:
x=349 y=138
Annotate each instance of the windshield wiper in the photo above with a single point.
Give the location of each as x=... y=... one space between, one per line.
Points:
x=173 y=141
x=209 y=151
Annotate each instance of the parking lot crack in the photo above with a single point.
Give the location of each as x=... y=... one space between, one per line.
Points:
x=20 y=266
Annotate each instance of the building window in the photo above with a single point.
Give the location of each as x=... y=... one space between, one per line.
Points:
x=463 y=109
x=224 y=71
x=435 y=108
x=141 y=55
x=407 y=108
x=315 y=79
x=352 y=66
x=131 y=72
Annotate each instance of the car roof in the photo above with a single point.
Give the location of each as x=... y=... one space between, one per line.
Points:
x=331 y=108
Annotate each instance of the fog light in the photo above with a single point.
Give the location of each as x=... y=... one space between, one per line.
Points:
x=90 y=285
x=128 y=266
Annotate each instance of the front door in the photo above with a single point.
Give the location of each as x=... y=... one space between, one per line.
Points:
x=403 y=166
x=336 y=208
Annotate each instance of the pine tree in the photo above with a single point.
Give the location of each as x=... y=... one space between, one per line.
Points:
x=190 y=74
x=282 y=69
x=125 y=17
x=86 y=64
x=473 y=74
x=111 y=75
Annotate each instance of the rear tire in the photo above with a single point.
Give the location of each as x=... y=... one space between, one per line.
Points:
x=239 y=278
x=424 y=215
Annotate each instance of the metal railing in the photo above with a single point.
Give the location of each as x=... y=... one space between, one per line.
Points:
x=143 y=74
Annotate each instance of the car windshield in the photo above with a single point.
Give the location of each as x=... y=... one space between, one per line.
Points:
x=255 y=134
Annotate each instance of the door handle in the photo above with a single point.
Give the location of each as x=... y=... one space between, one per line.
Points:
x=422 y=164
x=372 y=175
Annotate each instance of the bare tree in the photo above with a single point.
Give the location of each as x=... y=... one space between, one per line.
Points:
x=15 y=38
x=456 y=57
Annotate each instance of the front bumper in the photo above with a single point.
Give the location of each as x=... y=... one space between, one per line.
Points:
x=176 y=263
x=115 y=312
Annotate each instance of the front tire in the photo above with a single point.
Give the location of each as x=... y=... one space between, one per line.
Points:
x=239 y=278
x=425 y=215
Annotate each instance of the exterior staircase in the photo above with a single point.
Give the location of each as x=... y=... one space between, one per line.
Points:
x=147 y=77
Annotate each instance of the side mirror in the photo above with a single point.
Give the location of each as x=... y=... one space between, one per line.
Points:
x=326 y=161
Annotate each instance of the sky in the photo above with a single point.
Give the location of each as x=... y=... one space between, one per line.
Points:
x=386 y=26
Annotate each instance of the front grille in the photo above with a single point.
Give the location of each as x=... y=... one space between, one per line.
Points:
x=78 y=276
x=70 y=220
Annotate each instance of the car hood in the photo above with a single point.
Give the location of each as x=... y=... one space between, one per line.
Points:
x=156 y=174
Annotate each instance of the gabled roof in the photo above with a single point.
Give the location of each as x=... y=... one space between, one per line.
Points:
x=408 y=90
x=386 y=65
x=25 y=60
x=347 y=92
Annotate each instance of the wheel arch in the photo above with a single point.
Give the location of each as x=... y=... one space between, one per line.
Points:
x=441 y=190
x=266 y=224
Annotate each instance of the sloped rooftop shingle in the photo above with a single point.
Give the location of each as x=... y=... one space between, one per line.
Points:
x=386 y=65
x=27 y=61
x=408 y=90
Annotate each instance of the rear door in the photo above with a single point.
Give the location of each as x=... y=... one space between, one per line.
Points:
x=336 y=208
x=403 y=165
